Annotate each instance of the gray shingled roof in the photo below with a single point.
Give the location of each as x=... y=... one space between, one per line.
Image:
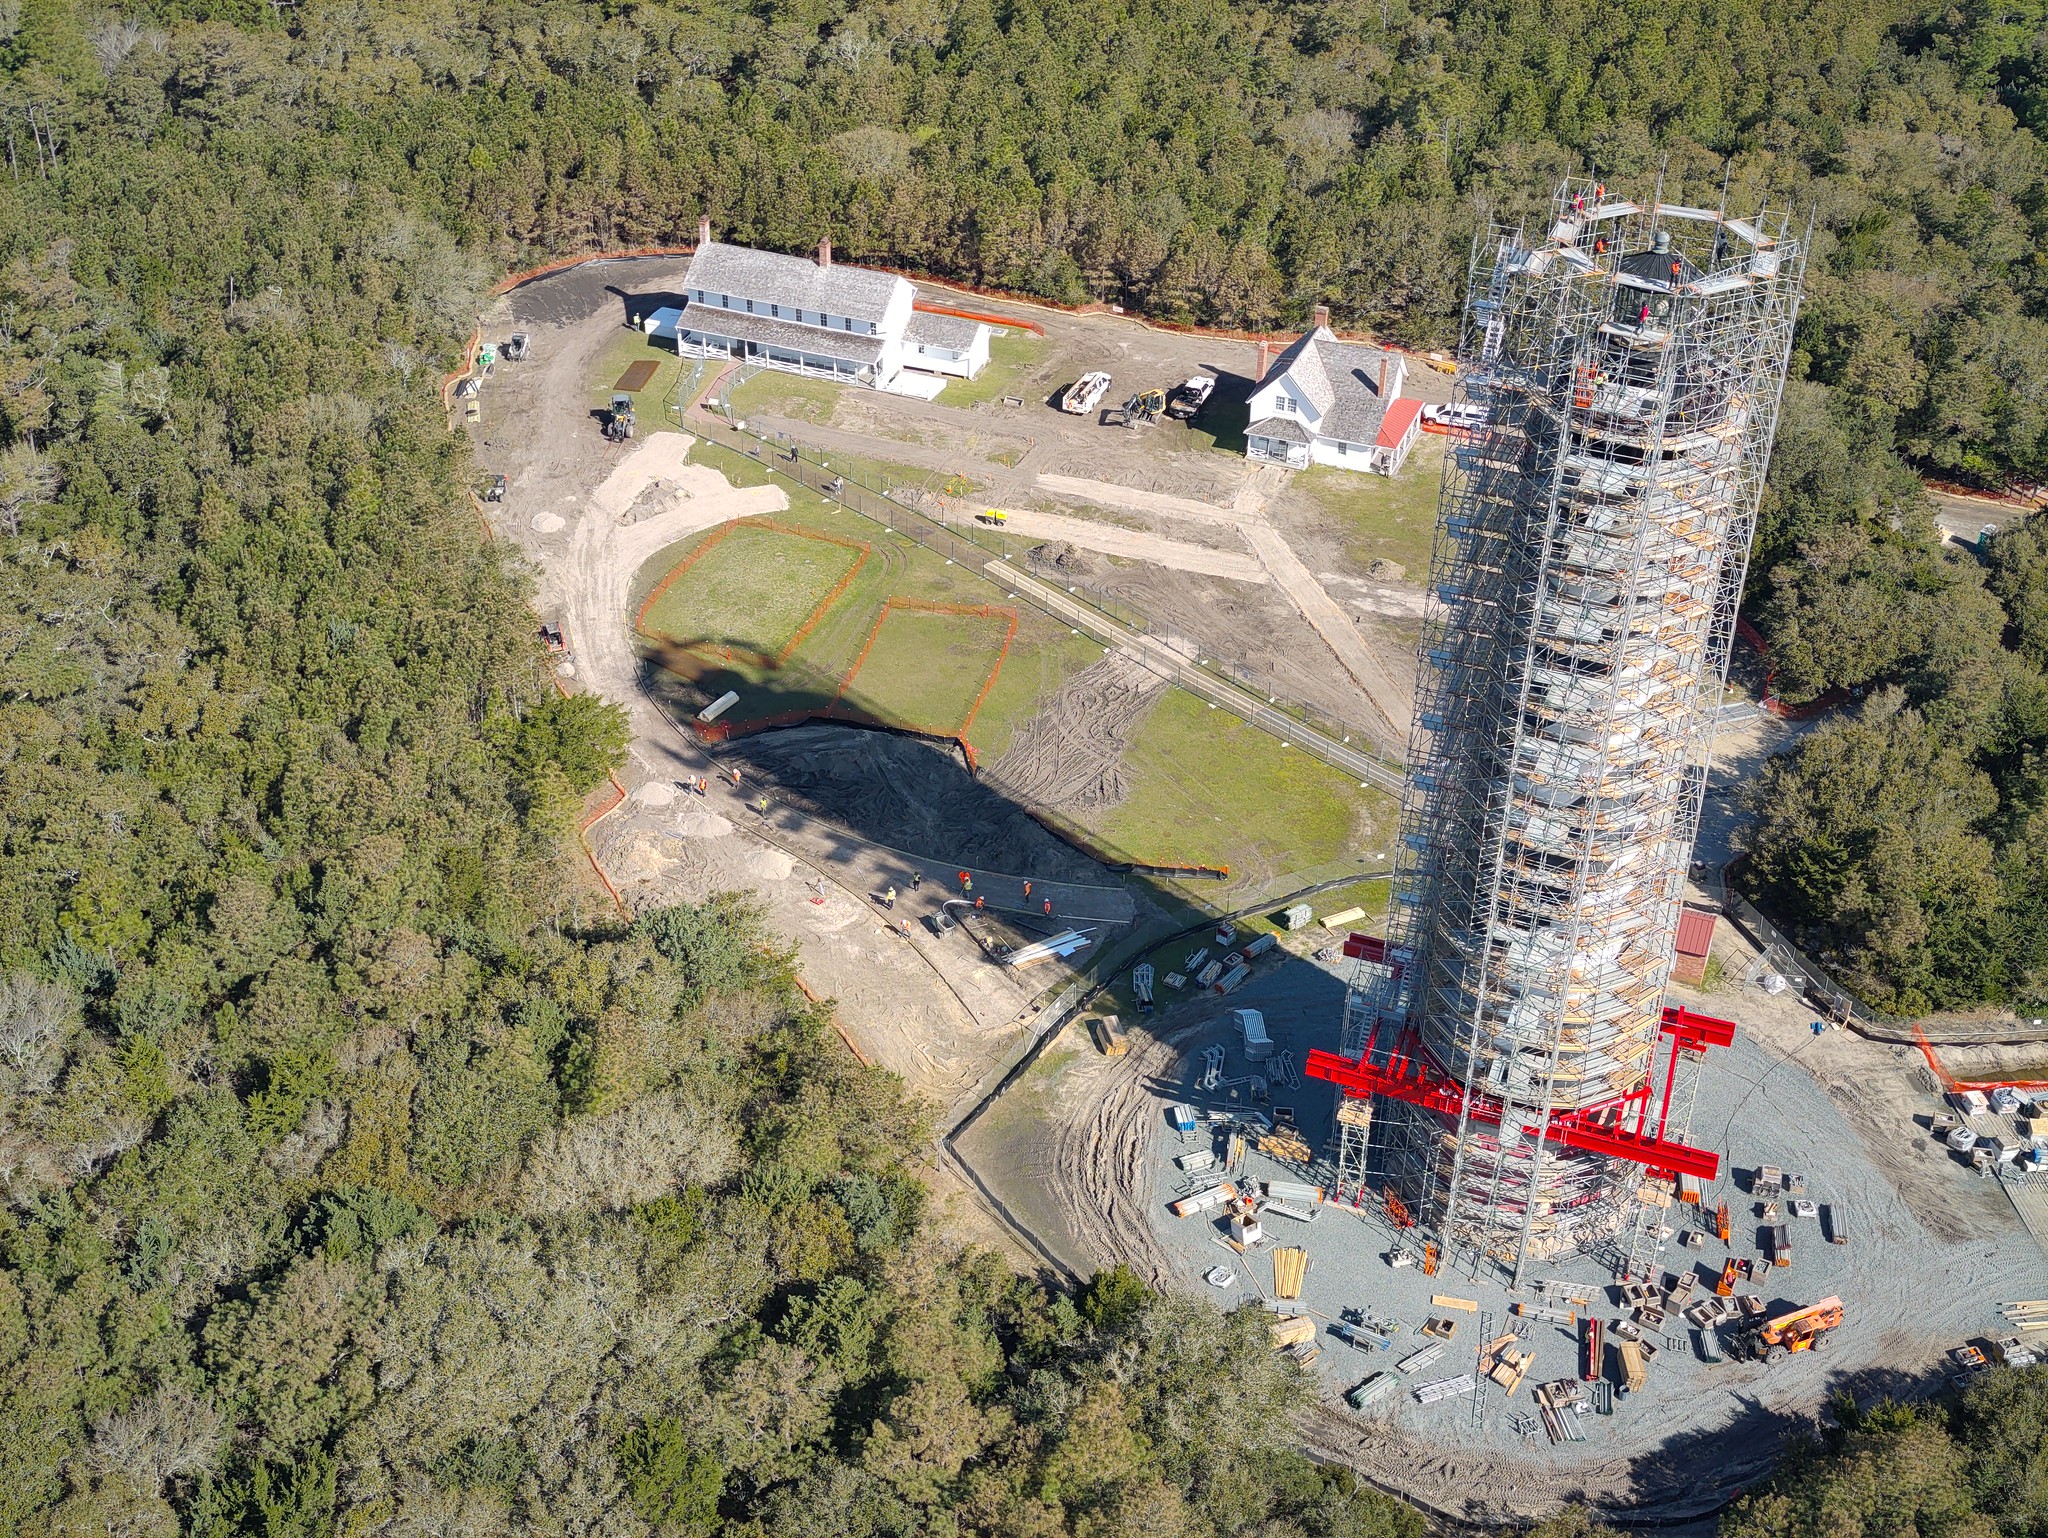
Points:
x=941 y=330
x=1284 y=428
x=1341 y=378
x=797 y=281
x=709 y=320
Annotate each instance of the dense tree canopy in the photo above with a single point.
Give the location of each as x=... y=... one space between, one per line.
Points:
x=1971 y=1467
x=362 y=1169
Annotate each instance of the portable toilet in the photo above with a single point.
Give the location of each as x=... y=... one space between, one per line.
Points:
x=1258 y=1046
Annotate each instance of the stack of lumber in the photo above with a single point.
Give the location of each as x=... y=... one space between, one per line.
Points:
x=2029 y=1315
x=1290 y=1266
x=1285 y=1144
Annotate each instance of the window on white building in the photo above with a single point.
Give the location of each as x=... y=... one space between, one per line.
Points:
x=1285 y=403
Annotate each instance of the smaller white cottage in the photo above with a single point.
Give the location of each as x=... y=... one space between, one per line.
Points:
x=1329 y=402
x=946 y=344
x=817 y=317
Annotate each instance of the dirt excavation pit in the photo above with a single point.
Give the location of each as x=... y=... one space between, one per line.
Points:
x=1088 y=1154
x=912 y=803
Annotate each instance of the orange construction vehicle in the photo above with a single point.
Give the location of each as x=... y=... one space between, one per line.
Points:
x=1804 y=1329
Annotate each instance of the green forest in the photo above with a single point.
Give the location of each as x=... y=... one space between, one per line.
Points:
x=364 y=1170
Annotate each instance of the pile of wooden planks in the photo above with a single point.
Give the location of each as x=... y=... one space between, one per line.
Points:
x=1290 y=1267
x=1500 y=1361
x=2029 y=1315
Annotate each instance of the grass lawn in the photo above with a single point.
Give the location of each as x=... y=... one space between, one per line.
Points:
x=799 y=397
x=1042 y=658
x=926 y=670
x=1011 y=354
x=930 y=689
x=1383 y=519
x=651 y=399
x=1208 y=789
x=1221 y=426
x=752 y=587
x=1204 y=787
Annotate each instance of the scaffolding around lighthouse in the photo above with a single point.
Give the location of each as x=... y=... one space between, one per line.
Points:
x=1623 y=370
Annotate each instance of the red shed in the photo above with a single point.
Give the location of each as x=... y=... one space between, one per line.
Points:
x=1695 y=940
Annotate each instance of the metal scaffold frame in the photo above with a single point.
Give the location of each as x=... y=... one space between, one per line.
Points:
x=1625 y=367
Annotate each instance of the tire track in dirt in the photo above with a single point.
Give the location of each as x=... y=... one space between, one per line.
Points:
x=1070 y=756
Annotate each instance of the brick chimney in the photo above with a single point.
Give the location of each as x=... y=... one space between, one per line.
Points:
x=1259 y=369
x=1322 y=317
x=704 y=229
x=825 y=251
x=1382 y=391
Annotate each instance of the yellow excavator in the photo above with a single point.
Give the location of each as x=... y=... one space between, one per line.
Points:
x=1803 y=1329
x=1141 y=410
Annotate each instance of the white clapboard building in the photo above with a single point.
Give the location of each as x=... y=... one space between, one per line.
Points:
x=819 y=317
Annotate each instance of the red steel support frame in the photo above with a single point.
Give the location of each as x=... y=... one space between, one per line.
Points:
x=1412 y=1078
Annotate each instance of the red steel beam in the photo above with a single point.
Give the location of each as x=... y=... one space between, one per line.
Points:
x=1418 y=1083
x=1694 y=1030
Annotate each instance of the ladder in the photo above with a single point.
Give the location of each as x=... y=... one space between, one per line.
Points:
x=1479 y=1367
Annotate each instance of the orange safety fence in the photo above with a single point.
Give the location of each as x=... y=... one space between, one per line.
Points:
x=1771 y=702
x=1170 y=868
x=851 y=1045
x=506 y=284
x=1002 y=656
x=586 y=824
x=921 y=606
x=977 y=315
x=718 y=536
x=1952 y=1085
x=813 y=619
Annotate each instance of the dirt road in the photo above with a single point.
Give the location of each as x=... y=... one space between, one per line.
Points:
x=593 y=516
x=1336 y=629
x=1135 y=545
x=1110 y=494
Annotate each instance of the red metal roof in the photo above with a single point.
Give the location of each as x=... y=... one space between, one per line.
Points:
x=1695 y=931
x=1394 y=426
